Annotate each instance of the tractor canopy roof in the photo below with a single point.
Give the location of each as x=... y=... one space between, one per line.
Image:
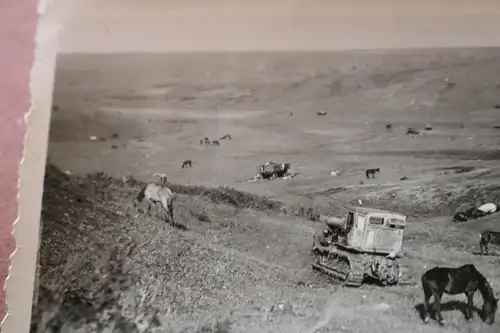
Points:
x=368 y=210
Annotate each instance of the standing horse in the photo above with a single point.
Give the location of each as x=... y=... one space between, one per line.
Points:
x=453 y=281
x=155 y=194
x=486 y=238
x=372 y=172
x=187 y=163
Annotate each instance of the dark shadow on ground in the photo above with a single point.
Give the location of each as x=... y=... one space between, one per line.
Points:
x=448 y=306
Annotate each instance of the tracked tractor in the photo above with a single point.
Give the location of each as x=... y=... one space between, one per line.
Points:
x=365 y=244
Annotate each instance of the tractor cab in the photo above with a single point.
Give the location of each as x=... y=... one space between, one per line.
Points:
x=373 y=230
x=368 y=230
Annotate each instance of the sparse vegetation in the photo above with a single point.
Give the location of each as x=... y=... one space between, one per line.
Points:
x=245 y=260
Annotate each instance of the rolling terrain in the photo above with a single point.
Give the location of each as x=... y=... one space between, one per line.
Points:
x=247 y=260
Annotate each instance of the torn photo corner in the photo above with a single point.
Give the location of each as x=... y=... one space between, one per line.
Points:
x=202 y=168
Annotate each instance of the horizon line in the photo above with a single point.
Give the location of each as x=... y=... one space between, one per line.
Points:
x=288 y=51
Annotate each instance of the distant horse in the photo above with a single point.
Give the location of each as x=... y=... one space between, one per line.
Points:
x=388 y=126
x=186 y=163
x=216 y=143
x=453 y=281
x=226 y=137
x=413 y=131
x=155 y=194
x=372 y=172
x=205 y=141
x=486 y=238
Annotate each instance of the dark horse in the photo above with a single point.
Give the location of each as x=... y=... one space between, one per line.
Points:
x=453 y=281
x=187 y=163
x=372 y=172
x=486 y=238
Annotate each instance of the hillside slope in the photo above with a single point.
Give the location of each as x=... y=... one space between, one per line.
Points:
x=248 y=267
x=151 y=110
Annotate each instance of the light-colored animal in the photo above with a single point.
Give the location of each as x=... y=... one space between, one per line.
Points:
x=163 y=177
x=155 y=194
x=335 y=173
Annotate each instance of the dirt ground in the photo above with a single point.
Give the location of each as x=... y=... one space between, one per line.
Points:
x=245 y=261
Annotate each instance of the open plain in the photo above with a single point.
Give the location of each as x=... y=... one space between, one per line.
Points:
x=248 y=264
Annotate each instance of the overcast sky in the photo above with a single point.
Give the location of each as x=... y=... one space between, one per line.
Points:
x=187 y=25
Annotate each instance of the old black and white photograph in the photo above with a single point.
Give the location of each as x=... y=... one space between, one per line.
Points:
x=269 y=191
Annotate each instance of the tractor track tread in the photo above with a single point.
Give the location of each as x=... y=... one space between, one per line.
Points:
x=360 y=265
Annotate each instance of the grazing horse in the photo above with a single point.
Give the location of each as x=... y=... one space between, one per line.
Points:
x=372 y=172
x=413 y=131
x=226 y=137
x=163 y=177
x=216 y=143
x=186 y=163
x=453 y=281
x=486 y=238
x=155 y=194
x=388 y=126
